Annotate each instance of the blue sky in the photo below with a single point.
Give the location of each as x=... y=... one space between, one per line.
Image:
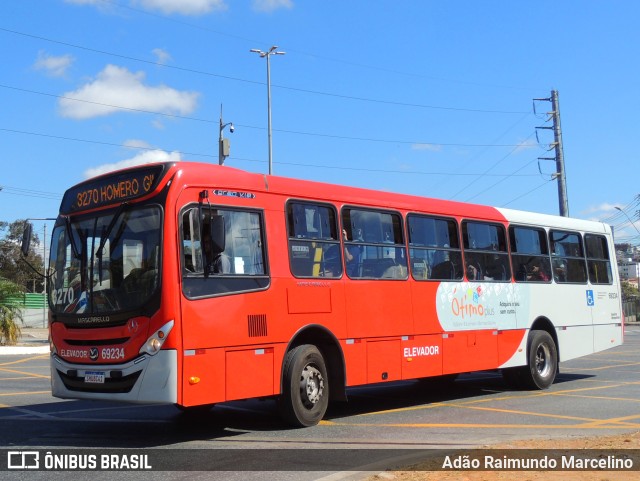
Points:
x=422 y=97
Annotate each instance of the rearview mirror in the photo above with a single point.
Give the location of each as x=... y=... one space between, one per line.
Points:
x=26 y=238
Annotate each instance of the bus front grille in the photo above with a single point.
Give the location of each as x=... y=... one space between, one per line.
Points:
x=97 y=342
x=122 y=384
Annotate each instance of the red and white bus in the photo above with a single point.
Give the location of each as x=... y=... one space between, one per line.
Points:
x=197 y=284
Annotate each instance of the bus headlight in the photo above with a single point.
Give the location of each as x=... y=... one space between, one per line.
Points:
x=156 y=340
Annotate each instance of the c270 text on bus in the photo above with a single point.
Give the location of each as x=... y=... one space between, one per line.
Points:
x=122 y=190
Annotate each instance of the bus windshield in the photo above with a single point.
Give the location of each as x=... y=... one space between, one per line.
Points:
x=105 y=263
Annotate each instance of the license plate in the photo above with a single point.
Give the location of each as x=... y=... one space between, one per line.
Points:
x=94 y=377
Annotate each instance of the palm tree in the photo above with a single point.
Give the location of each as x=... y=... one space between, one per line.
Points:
x=10 y=312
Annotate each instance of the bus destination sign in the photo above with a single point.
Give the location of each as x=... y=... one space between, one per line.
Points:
x=111 y=189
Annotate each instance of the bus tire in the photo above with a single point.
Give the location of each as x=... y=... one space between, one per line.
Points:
x=305 y=387
x=543 y=361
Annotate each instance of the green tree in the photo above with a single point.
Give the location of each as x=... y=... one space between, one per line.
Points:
x=10 y=312
x=12 y=266
x=629 y=291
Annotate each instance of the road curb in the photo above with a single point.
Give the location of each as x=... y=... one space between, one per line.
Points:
x=31 y=341
x=17 y=350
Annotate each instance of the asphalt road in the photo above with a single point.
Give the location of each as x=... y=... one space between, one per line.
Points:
x=595 y=395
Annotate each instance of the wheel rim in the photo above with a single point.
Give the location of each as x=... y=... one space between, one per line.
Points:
x=311 y=386
x=543 y=360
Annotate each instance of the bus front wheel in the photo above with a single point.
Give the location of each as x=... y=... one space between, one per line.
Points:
x=305 y=387
x=543 y=361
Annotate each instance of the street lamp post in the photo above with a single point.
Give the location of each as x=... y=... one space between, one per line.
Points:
x=629 y=218
x=272 y=51
x=223 y=144
x=634 y=226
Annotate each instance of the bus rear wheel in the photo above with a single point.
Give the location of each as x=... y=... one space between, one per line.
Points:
x=543 y=361
x=305 y=387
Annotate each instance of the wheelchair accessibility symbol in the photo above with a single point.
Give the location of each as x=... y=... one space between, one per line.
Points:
x=590 y=299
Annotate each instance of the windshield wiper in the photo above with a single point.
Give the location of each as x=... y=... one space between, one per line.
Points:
x=105 y=236
x=72 y=241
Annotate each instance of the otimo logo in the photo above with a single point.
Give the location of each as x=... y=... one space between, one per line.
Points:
x=467 y=304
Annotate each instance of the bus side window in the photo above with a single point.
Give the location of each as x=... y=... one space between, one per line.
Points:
x=434 y=248
x=373 y=244
x=567 y=257
x=598 y=263
x=235 y=266
x=486 y=256
x=530 y=254
x=314 y=245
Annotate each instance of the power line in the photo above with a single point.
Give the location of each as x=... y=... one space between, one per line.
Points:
x=254 y=82
x=628 y=223
x=308 y=54
x=323 y=166
x=479 y=154
x=6 y=189
x=120 y=107
x=514 y=174
x=618 y=214
x=527 y=193
x=295 y=132
x=516 y=147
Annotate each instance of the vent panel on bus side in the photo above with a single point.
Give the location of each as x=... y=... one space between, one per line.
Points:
x=257 y=324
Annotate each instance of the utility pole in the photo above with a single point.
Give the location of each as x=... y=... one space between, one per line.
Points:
x=223 y=144
x=560 y=173
x=44 y=261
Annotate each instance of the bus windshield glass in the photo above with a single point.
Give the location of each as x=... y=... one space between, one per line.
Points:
x=106 y=263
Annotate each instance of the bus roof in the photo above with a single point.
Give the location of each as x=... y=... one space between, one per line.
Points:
x=225 y=177
x=236 y=178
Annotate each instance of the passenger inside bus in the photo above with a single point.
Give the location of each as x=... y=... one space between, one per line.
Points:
x=537 y=274
x=139 y=284
x=559 y=270
x=495 y=269
x=473 y=272
x=331 y=265
x=352 y=257
x=215 y=262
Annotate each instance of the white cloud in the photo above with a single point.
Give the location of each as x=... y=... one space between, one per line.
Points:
x=84 y=2
x=148 y=157
x=101 y=5
x=600 y=212
x=162 y=56
x=605 y=208
x=428 y=147
x=183 y=7
x=271 y=5
x=136 y=144
x=117 y=86
x=526 y=145
x=52 y=65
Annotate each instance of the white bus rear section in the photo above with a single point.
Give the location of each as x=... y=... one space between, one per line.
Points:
x=587 y=317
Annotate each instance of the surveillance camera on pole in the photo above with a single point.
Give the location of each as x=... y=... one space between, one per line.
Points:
x=224 y=146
